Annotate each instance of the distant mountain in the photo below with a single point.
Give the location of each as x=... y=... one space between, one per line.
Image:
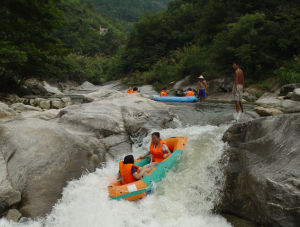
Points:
x=128 y=10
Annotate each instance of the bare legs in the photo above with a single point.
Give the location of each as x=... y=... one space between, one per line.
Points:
x=239 y=105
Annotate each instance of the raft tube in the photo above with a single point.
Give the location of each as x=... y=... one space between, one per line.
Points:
x=186 y=99
x=139 y=189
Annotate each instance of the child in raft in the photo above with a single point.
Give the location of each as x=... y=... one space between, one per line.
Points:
x=163 y=92
x=129 y=172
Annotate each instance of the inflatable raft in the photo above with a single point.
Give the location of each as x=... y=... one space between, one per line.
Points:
x=139 y=189
x=188 y=99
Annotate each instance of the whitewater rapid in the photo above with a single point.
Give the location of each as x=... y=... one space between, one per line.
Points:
x=186 y=197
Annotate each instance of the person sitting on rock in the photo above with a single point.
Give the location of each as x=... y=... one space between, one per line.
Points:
x=129 y=91
x=129 y=172
x=189 y=92
x=158 y=149
x=163 y=92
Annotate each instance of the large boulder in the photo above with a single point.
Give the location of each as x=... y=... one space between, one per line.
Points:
x=51 y=89
x=285 y=89
x=290 y=106
x=41 y=157
x=263 y=176
x=269 y=100
x=296 y=95
x=5 y=111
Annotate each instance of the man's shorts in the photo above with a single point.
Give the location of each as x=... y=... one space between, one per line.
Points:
x=202 y=93
x=238 y=96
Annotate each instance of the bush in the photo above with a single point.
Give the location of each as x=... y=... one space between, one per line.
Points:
x=289 y=72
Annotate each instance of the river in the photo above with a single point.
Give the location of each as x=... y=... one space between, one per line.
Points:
x=186 y=197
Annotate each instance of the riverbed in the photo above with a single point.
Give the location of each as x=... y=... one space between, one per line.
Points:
x=186 y=197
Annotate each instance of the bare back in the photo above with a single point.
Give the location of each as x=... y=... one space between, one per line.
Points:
x=202 y=84
x=239 y=77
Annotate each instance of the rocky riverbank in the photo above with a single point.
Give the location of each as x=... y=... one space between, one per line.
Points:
x=40 y=155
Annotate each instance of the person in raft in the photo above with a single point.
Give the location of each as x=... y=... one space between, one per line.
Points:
x=158 y=149
x=189 y=92
x=238 y=87
x=163 y=92
x=129 y=172
x=202 y=86
x=129 y=91
x=135 y=90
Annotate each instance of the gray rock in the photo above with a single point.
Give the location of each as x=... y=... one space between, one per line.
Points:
x=20 y=107
x=66 y=99
x=57 y=104
x=285 y=89
x=7 y=192
x=13 y=215
x=45 y=104
x=262 y=111
x=5 y=111
x=41 y=157
x=296 y=94
x=290 y=106
x=263 y=177
x=51 y=89
x=269 y=100
x=35 y=87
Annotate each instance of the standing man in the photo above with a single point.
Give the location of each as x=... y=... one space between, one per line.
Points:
x=202 y=86
x=239 y=87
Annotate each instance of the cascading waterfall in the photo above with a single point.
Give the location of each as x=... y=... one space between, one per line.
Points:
x=185 y=197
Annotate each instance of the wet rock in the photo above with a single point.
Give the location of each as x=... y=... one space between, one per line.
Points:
x=296 y=95
x=290 y=106
x=285 y=89
x=20 y=107
x=87 y=86
x=41 y=157
x=262 y=111
x=5 y=111
x=263 y=177
x=45 y=104
x=13 y=215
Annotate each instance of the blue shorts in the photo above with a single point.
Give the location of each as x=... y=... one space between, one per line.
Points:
x=202 y=93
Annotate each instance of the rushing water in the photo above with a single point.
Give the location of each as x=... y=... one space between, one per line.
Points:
x=186 y=197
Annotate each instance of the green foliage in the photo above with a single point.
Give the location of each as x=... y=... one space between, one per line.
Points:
x=205 y=36
x=289 y=72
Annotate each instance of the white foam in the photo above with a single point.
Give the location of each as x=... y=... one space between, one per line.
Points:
x=185 y=197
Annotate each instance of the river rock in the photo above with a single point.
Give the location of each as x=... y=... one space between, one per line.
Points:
x=51 y=89
x=13 y=215
x=5 y=111
x=285 y=89
x=57 y=104
x=290 y=106
x=263 y=177
x=45 y=104
x=7 y=192
x=262 y=111
x=41 y=157
x=35 y=87
x=296 y=94
x=20 y=107
x=269 y=100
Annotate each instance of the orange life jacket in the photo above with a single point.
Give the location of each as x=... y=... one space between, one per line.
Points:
x=157 y=152
x=163 y=93
x=125 y=171
x=134 y=91
x=129 y=91
x=190 y=93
